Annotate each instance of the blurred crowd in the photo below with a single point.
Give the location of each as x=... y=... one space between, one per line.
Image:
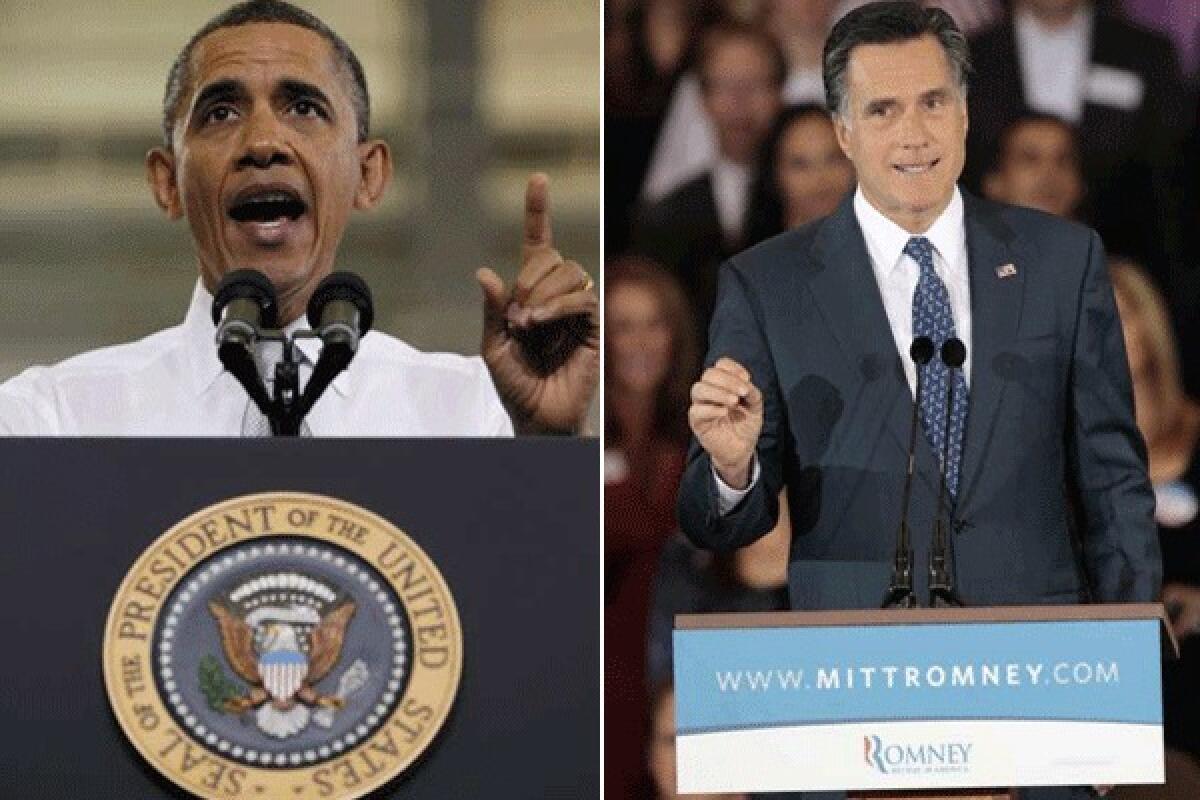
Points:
x=717 y=138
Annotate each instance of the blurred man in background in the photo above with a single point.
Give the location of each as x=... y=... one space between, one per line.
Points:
x=703 y=222
x=1118 y=83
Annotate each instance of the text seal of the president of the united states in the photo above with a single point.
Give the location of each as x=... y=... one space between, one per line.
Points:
x=282 y=645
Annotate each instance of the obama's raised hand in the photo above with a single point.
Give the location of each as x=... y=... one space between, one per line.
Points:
x=541 y=337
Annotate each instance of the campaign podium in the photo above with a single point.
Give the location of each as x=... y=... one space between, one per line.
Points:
x=511 y=526
x=940 y=702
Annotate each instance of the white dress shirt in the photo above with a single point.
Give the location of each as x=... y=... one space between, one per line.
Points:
x=1054 y=62
x=172 y=384
x=896 y=275
x=731 y=193
x=686 y=144
x=804 y=85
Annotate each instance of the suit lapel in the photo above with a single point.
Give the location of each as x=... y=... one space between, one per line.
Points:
x=996 y=298
x=844 y=286
x=707 y=202
x=1008 y=81
x=710 y=218
x=848 y=297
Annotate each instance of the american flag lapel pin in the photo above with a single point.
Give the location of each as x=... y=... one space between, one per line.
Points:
x=1006 y=271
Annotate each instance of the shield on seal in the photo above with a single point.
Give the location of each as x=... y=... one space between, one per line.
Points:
x=283 y=667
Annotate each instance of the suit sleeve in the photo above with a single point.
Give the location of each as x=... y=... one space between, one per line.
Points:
x=737 y=332
x=1105 y=452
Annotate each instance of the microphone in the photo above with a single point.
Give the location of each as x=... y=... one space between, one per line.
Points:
x=900 y=593
x=244 y=304
x=921 y=351
x=941 y=584
x=954 y=353
x=341 y=312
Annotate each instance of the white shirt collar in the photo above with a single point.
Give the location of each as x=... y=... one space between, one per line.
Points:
x=1063 y=51
x=200 y=335
x=886 y=240
x=731 y=192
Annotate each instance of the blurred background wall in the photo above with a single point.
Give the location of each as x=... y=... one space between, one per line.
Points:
x=473 y=95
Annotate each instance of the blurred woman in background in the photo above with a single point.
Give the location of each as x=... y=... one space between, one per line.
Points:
x=1170 y=423
x=804 y=174
x=651 y=361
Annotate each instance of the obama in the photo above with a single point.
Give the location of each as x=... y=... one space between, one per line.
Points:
x=266 y=152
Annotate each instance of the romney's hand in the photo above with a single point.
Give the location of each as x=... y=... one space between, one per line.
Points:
x=541 y=340
x=726 y=416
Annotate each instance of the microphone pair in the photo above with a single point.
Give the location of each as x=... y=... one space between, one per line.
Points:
x=245 y=305
x=245 y=310
x=941 y=586
x=953 y=354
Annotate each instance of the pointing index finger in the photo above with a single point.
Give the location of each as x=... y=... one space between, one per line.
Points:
x=537 y=213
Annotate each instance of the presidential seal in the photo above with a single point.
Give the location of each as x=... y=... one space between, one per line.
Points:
x=282 y=646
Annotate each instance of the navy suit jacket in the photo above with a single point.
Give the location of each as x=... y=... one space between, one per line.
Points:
x=1054 y=503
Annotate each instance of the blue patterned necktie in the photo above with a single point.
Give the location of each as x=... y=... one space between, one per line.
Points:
x=932 y=317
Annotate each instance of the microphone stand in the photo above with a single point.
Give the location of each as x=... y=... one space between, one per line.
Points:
x=285 y=408
x=236 y=356
x=289 y=407
x=284 y=420
x=941 y=583
x=900 y=592
x=250 y=300
x=335 y=357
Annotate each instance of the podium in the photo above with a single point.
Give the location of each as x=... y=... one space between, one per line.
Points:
x=945 y=702
x=511 y=526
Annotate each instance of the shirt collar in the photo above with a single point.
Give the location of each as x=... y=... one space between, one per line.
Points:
x=886 y=240
x=731 y=184
x=200 y=335
x=731 y=170
x=200 y=341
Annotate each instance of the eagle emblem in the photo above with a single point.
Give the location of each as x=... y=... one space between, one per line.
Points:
x=282 y=633
x=284 y=648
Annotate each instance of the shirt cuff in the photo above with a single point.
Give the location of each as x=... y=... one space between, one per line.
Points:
x=728 y=497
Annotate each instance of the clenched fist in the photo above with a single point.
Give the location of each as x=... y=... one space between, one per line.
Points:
x=726 y=416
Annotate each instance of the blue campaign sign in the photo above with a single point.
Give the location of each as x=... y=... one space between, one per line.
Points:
x=745 y=678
